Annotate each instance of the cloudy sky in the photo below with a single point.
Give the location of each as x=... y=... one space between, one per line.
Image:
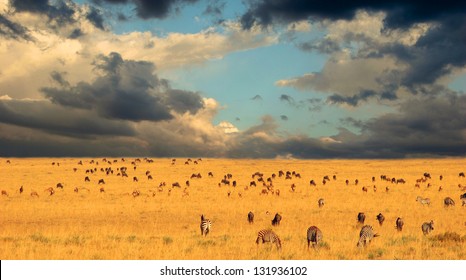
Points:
x=215 y=78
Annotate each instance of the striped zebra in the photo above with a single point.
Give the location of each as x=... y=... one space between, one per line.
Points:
x=366 y=235
x=314 y=235
x=205 y=225
x=399 y=224
x=423 y=201
x=427 y=227
x=448 y=201
x=380 y=218
x=267 y=235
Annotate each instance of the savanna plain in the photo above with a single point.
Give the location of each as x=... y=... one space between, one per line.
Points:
x=61 y=215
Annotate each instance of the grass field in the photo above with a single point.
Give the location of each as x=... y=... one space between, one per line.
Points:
x=164 y=224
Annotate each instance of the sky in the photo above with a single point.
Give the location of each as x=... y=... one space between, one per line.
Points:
x=232 y=79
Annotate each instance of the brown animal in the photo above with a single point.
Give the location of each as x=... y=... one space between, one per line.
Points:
x=102 y=189
x=34 y=194
x=4 y=193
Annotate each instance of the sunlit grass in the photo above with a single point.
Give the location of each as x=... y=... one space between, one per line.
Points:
x=160 y=224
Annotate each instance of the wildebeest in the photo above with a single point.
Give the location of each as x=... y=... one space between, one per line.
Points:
x=102 y=189
x=276 y=220
x=101 y=181
x=380 y=218
x=361 y=217
x=21 y=189
x=321 y=202
x=461 y=174
x=34 y=194
x=87 y=179
x=314 y=236
x=251 y=217
x=60 y=185
x=399 y=224
x=4 y=193
x=448 y=202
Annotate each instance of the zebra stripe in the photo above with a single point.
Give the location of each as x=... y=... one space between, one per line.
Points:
x=427 y=227
x=267 y=235
x=366 y=235
x=423 y=201
x=314 y=235
x=205 y=225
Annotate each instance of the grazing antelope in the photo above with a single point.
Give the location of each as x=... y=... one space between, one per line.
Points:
x=4 y=193
x=60 y=185
x=34 y=194
x=102 y=189
x=101 y=181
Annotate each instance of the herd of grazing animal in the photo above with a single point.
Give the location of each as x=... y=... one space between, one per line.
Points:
x=314 y=235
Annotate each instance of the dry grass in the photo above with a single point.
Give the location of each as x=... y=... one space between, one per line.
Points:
x=116 y=225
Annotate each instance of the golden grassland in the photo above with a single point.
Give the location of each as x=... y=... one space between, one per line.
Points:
x=165 y=225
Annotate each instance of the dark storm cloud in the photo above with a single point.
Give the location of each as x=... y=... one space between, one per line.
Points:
x=95 y=17
x=400 y=14
x=353 y=100
x=59 y=78
x=126 y=90
x=76 y=33
x=152 y=9
x=214 y=8
x=60 y=12
x=327 y=46
x=54 y=119
x=13 y=30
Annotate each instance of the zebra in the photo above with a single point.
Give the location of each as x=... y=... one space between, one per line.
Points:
x=427 y=227
x=380 y=218
x=251 y=217
x=314 y=235
x=399 y=224
x=205 y=225
x=276 y=220
x=321 y=202
x=423 y=201
x=267 y=235
x=366 y=235
x=361 y=217
x=448 y=202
